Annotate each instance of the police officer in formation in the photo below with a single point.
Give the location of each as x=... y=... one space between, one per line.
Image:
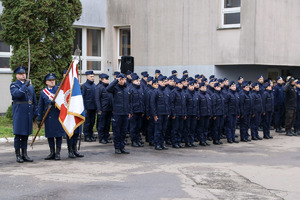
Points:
x=24 y=111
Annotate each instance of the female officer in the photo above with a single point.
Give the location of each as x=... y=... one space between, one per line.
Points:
x=53 y=128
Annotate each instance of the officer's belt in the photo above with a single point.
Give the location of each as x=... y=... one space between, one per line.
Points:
x=22 y=102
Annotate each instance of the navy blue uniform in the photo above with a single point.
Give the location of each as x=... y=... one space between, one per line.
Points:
x=297 y=121
x=256 y=113
x=160 y=107
x=88 y=95
x=192 y=114
x=148 y=114
x=279 y=97
x=120 y=112
x=24 y=110
x=169 y=89
x=204 y=103
x=137 y=110
x=178 y=110
x=103 y=100
x=245 y=114
x=290 y=106
x=232 y=110
x=218 y=106
x=268 y=109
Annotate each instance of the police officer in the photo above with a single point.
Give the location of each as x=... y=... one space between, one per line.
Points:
x=239 y=86
x=157 y=74
x=217 y=113
x=174 y=73
x=256 y=111
x=120 y=112
x=268 y=109
x=103 y=100
x=260 y=80
x=116 y=74
x=53 y=128
x=279 y=97
x=144 y=80
x=232 y=110
x=24 y=111
x=245 y=112
x=185 y=73
x=137 y=110
x=152 y=84
x=128 y=78
x=204 y=103
x=160 y=111
x=88 y=94
x=290 y=105
x=178 y=113
x=192 y=114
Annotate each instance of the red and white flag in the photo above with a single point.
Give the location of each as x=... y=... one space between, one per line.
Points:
x=70 y=102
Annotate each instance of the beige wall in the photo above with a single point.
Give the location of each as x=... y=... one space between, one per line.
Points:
x=186 y=32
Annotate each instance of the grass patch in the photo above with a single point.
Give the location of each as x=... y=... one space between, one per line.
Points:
x=6 y=128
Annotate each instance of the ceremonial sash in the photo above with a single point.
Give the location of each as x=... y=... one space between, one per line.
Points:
x=48 y=94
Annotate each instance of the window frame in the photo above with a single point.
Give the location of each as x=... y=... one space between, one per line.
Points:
x=118 y=45
x=229 y=11
x=6 y=55
x=84 y=57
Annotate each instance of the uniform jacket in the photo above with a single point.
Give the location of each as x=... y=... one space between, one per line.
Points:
x=103 y=99
x=159 y=102
x=204 y=103
x=120 y=97
x=178 y=102
x=268 y=101
x=298 y=98
x=53 y=127
x=136 y=99
x=218 y=104
x=279 y=95
x=256 y=102
x=290 y=96
x=24 y=107
x=88 y=95
x=148 y=94
x=245 y=103
x=192 y=103
x=232 y=103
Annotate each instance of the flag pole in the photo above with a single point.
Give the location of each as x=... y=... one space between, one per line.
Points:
x=49 y=107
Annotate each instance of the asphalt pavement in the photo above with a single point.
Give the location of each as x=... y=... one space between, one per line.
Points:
x=267 y=169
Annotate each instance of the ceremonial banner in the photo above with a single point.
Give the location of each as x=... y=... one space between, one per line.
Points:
x=70 y=102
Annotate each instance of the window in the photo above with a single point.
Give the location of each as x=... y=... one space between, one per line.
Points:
x=124 y=43
x=90 y=43
x=231 y=13
x=5 y=53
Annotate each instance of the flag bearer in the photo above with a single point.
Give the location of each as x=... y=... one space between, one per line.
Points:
x=24 y=111
x=53 y=128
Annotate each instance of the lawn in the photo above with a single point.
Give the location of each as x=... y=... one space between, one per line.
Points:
x=6 y=128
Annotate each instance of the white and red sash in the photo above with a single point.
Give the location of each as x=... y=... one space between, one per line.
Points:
x=48 y=94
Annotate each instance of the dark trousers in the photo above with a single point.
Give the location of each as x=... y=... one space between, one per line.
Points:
x=290 y=117
x=230 y=124
x=160 y=129
x=51 y=142
x=191 y=123
x=119 y=125
x=90 y=117
x=150 y=131
x=266 y=123
x=244 y=126
x=177 y=130
x=135 y=127
x=103 y=122
x=20 y=141
x=168 y=135
x=73 y=140
x=254 y=123
x=297 y=121
x=279 y=116
x=203 y=127
x=217 y=127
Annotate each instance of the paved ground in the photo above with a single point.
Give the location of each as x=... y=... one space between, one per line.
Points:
x=268 y=169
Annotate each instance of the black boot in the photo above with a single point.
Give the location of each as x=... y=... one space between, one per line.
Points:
x=25 y=156
x=19 y=157
x=76 y=153
x=71 y=153
x=51 y=156
x=57 y=153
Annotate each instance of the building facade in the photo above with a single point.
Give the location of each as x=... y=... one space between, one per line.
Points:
x=227 y=38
